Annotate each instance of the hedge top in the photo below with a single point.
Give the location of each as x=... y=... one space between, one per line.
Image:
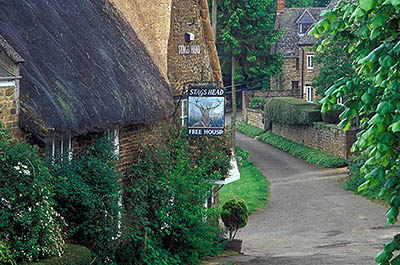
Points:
x=287 y=110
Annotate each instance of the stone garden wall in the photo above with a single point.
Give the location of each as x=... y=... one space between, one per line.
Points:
x=324 y=137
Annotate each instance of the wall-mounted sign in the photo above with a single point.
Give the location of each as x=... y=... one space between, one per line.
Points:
x=206 y=111
x=188 y=49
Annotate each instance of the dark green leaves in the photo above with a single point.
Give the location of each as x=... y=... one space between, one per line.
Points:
x=367 y=5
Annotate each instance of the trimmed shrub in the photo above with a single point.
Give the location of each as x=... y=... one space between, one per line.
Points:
x=332 y=116
x=286 y=110
x=73 y=255
x=87 y=193
x=234 y=215
x=257 y=103
x=29 y=223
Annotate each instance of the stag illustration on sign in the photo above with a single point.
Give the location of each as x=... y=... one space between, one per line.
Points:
x=206 y=106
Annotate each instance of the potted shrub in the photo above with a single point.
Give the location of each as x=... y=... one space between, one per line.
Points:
x=234 y=215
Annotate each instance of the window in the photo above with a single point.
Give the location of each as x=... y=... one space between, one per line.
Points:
x=114 y=136
x=309 y=94
x=295 y=85
x=184 y=105
x=303 y=27
x=59 y=148
x=310 y=63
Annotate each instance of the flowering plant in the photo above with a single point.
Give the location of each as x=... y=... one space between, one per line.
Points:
x=28 y=222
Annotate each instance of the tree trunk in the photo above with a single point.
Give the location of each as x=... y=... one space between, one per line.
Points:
x=214 y=19
x=233 y=121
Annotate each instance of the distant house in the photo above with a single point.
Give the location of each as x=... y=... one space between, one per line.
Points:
x=85 y=73
x=296 y=46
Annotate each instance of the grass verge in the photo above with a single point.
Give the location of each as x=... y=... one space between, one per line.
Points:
x=251 y=187
x=301 y=151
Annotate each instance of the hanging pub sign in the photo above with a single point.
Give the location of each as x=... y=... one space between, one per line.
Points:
x=206 y=110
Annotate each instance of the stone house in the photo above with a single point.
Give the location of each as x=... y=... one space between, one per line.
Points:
x=296 y=46
x=85 y=73
x=95 y=67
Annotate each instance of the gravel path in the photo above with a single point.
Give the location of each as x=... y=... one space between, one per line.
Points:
x=310 y=219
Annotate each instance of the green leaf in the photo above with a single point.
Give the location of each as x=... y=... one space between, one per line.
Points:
x=364 y=186
x=379 y=20
x=367 y=5
x=366 y=98
x=395 y=127
x=390 y=246
x=395 y=201
x=374 y=33
x=358 y=12
x=376 y=119
x=386 y=61
x=395 y=261
x=382 y=257
x=396 y=48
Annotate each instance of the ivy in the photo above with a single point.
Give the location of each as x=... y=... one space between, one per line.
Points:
x=369 y=31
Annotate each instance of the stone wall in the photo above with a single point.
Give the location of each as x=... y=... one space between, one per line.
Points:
x=255 y=118
x=291 y=71
x=10 y=95
x=190 y=61
x=325 y=137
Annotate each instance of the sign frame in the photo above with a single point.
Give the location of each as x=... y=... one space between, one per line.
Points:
x=206 y=110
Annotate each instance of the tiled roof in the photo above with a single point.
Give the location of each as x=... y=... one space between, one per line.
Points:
x=288 y=44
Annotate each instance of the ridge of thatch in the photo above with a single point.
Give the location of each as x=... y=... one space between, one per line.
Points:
x=85 y=71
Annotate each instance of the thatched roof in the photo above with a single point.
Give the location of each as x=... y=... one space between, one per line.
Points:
x=85 y=68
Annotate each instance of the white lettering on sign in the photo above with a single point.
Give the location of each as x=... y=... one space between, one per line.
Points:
x=188 y=49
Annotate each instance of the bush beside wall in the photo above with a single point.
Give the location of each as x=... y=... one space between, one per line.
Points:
x=291 y=111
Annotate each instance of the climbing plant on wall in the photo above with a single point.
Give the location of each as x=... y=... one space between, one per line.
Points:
x=369 y=29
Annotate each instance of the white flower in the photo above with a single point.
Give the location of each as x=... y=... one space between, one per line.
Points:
x=17 y=168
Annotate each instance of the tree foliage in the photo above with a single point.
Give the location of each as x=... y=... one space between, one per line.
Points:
x=246 y=30
x=336 y=64
x=369 y=30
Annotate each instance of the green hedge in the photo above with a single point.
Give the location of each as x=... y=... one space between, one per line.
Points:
x=310 y=155
x=286 y=110
x=332 y=116
x=257 y=103
x=73 y=255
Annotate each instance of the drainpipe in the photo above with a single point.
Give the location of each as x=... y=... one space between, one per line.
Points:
x=302 y=73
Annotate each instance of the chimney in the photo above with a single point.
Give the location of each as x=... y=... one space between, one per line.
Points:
x=280 y=6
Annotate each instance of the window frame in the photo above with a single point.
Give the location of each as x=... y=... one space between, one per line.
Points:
x=184 y=111
x=309 y=93
x=310 y=61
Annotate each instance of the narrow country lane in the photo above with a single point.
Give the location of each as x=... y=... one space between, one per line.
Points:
x=310 y=218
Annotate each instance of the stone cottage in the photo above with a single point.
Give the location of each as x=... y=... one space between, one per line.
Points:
x=86 y=73
x=296 y=46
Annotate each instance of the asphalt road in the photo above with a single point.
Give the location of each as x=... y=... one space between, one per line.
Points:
x=310 y=219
